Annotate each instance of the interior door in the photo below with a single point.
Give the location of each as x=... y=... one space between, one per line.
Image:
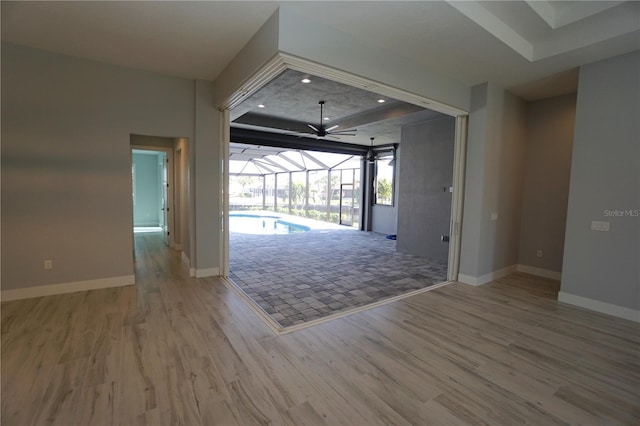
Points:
x=346 y=204
x=164 y=197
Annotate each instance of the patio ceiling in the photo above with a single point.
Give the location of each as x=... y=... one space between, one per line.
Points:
x=287 y=106
x=247 y=159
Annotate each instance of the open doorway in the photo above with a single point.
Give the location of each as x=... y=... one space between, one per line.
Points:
x=160 y=195
x=301 y=277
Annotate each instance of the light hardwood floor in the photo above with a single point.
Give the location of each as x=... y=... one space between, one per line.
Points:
x=176 y=350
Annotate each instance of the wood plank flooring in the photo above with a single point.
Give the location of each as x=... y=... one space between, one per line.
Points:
x=175 y=350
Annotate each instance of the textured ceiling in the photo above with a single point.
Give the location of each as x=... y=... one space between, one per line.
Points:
x=290 y=105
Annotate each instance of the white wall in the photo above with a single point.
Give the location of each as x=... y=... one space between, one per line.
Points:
x=66 y=171
x=550 y=124
x=493 y=185
x=385 y=219
x=601 y=269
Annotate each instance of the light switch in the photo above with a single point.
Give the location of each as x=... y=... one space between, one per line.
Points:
x=597 y=225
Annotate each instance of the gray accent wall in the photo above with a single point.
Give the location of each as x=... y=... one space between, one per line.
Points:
x=603 y=267
x=424 y=206
x=550 y=125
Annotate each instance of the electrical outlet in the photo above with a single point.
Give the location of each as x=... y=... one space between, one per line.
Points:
x=48 y=264
x=597 y=225
x=539 y=253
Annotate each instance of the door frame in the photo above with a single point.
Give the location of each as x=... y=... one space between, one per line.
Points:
x=342 y=186
x=283 y=61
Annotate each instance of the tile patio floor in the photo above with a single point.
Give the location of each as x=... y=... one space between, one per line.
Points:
x=300 y=277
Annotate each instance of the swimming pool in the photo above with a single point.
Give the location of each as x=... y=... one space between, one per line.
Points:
x=262 y=225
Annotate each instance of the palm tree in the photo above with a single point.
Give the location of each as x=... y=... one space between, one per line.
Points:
x=383 y=192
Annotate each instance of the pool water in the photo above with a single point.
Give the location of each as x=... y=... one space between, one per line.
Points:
x=262 y=225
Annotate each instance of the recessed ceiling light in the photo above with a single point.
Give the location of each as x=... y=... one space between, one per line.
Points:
x=261 y=106
x=327 y=119
x=305 y=80
x=381 y=101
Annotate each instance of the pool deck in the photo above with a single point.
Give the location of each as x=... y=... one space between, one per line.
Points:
x=306 y=276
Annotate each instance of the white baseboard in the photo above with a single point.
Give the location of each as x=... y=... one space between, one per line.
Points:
x=598 y=306
x=187 y=263
x=207 y=272
x=487 y=278
x=467 y=279
x=539 y=272
x=50 y=290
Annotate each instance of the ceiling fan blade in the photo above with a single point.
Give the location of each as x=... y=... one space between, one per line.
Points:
x=345 y=132
x=332 y=127
x=313 y=128
x=262 y=120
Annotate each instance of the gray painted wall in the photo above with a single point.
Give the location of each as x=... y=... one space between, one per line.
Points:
x=550 y=125
x=424 y=208
x=66 y=163
x=472 y=220
x=605 y=175
x=146 y=203
x=206 y=188
x=493 y=183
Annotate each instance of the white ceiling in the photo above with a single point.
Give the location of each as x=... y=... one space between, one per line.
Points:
x=512 y=44
x=184 y=39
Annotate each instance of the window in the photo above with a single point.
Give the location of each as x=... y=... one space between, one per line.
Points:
x=385 y=167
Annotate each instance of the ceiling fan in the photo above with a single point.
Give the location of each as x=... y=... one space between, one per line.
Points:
x=372 y=155
x=321 y=131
